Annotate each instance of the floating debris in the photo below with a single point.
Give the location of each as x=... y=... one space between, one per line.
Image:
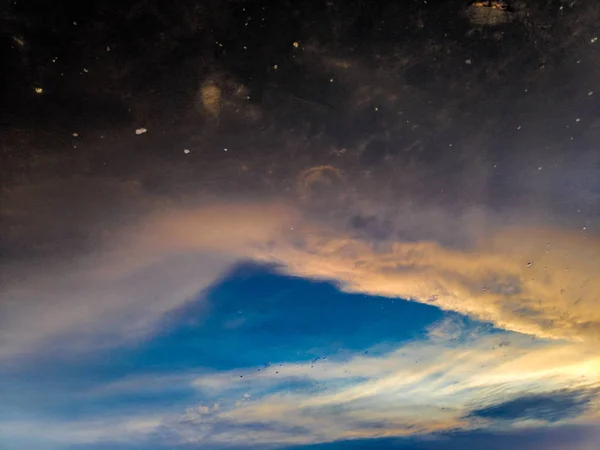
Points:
x=38 y=90
x=186 y=151
x=140 y=131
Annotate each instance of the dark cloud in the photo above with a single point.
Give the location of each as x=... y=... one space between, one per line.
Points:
x=561 y=438
x=550 y=407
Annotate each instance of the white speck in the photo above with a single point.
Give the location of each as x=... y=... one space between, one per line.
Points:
x=295 y=44
x=140 y=131
x=578 y=120
x=594 y=39
x=224 y=149
x=85 y=70
x=584 y=228
x=275 y=67
x=495 y=165
x=519 y=127
x=186 y=151
x=540 y=168
x=377 y=108
x=108 y=49
x=246 y=395
x=449 y=145
x=590 y=93
x=74 y=23
x=38 y=90
x=468 y=61
x=331 y=80
x=75 y=134
x=19 y=41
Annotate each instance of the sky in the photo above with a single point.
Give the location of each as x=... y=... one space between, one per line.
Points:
x=299 y=225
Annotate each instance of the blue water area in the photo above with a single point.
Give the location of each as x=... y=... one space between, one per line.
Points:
x=257 y=316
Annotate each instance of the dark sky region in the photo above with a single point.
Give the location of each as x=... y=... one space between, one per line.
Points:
x=316 y=224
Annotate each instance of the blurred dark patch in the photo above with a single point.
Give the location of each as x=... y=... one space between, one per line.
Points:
x=374 y=153
x=550 y=407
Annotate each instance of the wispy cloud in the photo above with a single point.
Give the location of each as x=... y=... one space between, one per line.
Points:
x=531 y=280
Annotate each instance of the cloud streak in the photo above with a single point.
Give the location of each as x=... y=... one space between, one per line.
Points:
x=533 y=280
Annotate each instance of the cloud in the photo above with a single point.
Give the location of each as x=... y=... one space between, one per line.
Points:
x=533 y=280
x=118 y=293
x=457 y=377
x=421 y=388
x=547 y=407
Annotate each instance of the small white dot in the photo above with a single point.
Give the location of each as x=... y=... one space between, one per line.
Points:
x=75 y=134
x=38 y=90
x=186 y=151
x=224 y=149
x=590 y=93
